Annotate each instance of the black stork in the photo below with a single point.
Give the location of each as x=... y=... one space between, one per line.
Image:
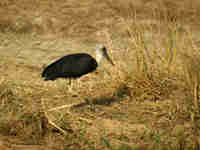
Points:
x=74 y=66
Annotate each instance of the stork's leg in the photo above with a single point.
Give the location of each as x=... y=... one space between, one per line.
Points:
x=70 y=81
x=70 y=85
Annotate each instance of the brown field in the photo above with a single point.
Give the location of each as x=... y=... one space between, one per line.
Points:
x=148 y=101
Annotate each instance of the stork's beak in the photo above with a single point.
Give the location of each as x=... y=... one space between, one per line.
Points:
x=103 y=51
x=109 y=59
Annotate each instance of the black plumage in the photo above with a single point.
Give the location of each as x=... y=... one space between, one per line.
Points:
x=70 y=66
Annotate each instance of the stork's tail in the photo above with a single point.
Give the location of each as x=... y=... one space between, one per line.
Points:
x=48 y=75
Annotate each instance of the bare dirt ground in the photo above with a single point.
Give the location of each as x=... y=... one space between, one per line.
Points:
x=149 y=100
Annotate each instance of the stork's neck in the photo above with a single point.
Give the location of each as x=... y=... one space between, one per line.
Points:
x=99 y=57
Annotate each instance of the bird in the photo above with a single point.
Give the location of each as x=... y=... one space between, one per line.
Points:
x=74 y=66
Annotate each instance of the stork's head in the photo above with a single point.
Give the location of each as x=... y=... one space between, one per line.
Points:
x=101 y=53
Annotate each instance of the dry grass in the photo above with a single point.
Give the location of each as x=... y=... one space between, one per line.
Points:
x=149 y=100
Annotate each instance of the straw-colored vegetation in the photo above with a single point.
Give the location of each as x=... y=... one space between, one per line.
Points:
x=148 y=101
